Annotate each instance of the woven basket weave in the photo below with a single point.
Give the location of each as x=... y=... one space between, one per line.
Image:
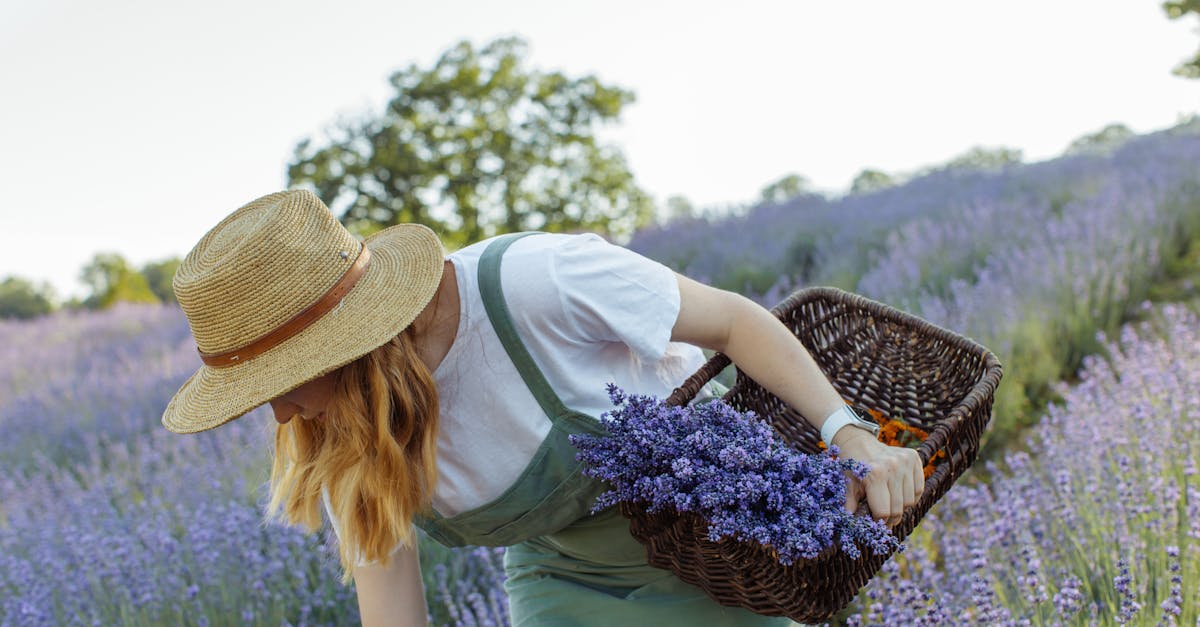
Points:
x=879 y=358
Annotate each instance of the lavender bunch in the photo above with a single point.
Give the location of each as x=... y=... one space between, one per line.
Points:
x=734 y=471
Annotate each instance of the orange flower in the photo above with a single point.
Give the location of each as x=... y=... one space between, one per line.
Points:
x=895 y=433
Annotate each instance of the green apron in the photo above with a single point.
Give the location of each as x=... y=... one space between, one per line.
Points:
x=565 y=566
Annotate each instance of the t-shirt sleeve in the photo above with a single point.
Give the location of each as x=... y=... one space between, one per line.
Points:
x=612 y=294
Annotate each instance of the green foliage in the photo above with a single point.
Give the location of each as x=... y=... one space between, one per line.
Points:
x=870 y=181
x=158 y=275
x=748 y=278
x=111 y=279
x=679 y=208
x=1176 y=9
x=784 y=189
x=980 y=158
x=478 y=145
x=22 y=299
x=1102 y=142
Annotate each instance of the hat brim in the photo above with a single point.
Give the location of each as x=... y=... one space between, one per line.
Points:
x=401 y=279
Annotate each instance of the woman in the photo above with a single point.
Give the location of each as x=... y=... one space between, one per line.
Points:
x=412 y=387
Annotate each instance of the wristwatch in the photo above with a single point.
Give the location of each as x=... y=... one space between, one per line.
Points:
x=845 y=415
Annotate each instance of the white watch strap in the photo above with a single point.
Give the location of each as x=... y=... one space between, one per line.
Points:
x=834 y=423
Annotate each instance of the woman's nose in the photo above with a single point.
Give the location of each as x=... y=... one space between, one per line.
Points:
x=284 y=410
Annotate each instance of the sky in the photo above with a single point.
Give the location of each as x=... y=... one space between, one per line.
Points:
x=134 y=126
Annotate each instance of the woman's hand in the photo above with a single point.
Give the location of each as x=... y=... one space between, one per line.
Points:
x=896 y=480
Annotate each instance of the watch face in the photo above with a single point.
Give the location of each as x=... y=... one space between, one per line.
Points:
x=867 y=423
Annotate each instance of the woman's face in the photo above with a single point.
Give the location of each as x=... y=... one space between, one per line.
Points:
x=307 y=401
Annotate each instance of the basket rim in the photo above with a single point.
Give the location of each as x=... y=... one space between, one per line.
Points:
x=984 y=388
x=993 y=369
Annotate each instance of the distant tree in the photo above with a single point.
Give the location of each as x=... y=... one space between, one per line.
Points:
x=1186 y=123
x=980 y=158
x=478 y=145
x=158 y=275
x=784 y=189
x=1176 y=9
x=111 y=279
x=680 y=208
x=22 y=299
x=1102 y=141
x=869 y=181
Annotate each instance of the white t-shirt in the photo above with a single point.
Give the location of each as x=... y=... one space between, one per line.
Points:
x=590 y=313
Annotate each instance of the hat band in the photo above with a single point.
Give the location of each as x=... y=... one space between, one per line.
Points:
x=297 y=323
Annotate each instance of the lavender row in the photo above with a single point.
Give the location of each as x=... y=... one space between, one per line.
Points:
x=1031 y=261
x=1097 y=524
x=158 y=530
x=72 y=376
x=106 y=518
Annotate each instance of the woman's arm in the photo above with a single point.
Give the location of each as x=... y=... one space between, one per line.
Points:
x=767 y=351
x=392 y=595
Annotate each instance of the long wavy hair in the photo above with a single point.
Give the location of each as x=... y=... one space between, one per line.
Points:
x=373 y=453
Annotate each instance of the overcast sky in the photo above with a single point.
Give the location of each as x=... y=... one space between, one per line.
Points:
x=133 y=126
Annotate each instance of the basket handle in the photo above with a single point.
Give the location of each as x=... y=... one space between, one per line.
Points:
x=688 y=390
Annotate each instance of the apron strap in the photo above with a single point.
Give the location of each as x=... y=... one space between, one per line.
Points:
x=501 y=319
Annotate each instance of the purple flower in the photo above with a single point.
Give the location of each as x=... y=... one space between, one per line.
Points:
x=733 y=470
x=1123 y=582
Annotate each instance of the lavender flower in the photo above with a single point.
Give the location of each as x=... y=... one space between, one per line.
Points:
x=1172 y=607
x=1123 y=583
x=733 y=470
x=1068 y=598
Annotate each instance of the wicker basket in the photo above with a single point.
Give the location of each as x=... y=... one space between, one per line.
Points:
x=879 y=358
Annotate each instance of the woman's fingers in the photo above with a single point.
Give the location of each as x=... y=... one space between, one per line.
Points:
x=918 y=477
x=879 y=497
x=894 y=484
x=896 y=480
x=908 y=492
x=854 y=493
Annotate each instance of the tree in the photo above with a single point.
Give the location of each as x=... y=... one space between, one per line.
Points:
x=680 y=208
x=111 y=279
x=478 y=145
x=980 y=158
x=1102 y=141
x=870 y=181
x=1176 y=9
x=158 y=275
x=784 y=189
x=20 y=298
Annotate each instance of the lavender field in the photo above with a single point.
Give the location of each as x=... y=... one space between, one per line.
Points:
x=1031 y=261
x=1098 y=524
x=105 y=518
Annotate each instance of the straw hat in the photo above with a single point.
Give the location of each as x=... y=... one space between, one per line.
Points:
x=280 y=293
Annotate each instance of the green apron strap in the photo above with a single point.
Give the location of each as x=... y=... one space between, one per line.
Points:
x=498 y=313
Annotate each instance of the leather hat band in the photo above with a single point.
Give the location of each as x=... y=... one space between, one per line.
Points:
x=297 y=323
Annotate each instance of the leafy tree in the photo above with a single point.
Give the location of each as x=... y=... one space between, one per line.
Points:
x=980 y=158
x=1102 y=141
x=869 y=181
x=111 y=279
x=1176 y=9
x=158 y=276
x=478 y=145
x=20 y=298
x=784 y=189
x=680 y=208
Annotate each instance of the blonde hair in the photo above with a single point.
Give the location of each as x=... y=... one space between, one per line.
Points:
x=373 y=452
